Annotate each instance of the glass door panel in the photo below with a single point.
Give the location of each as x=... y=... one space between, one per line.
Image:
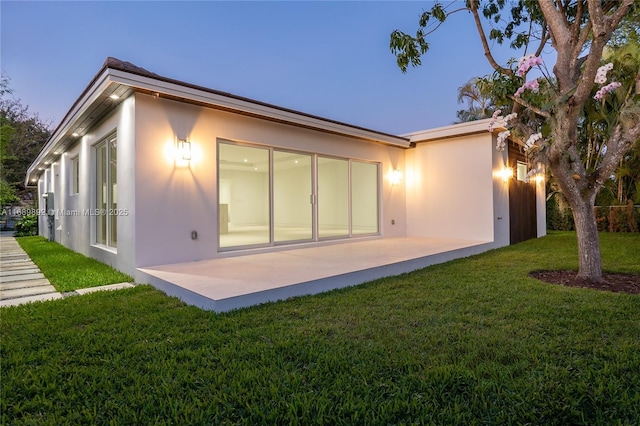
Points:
x=101 y=194
x=364 y=198
x=333 y=197
x=292 y=191
x=244 y=209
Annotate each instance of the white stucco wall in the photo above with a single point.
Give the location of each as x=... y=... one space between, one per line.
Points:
x=172 y=200
x=501 y=217
x=73 y=221
x=450 y=188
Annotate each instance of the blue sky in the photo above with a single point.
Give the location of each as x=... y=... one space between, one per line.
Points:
x=331 y=59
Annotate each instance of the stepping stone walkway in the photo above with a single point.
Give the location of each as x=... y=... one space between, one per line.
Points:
x=20 y=279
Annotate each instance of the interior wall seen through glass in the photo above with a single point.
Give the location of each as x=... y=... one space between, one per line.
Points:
x=244 y=211
x=292 y=191
x=333 y=197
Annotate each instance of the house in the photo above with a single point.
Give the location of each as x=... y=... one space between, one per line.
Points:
x=191 y=189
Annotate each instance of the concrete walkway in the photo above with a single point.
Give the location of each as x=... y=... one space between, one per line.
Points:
x=22 y=282
x=20 y=279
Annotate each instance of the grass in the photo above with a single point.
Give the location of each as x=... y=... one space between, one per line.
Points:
x=66 y=269
x=473 y=341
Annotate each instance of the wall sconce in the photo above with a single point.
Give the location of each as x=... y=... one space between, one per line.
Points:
x=505 y=173
x=395 y=176
x=184 y=150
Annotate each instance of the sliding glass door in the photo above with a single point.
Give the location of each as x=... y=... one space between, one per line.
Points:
x=269 y=196
x=244 y=204
x=333 y=197
x=292 y=197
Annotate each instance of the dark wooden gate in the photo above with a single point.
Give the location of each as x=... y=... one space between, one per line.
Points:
x=522 y=211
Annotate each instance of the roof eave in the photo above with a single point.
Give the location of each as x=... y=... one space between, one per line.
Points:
x=113 y=71
x=451 y=131
x=225 y=101
x=97 y=86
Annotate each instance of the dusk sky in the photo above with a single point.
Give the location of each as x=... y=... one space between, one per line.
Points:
x=330 y=59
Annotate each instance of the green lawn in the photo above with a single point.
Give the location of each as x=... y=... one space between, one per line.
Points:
x=473 y=341
x=66 y=269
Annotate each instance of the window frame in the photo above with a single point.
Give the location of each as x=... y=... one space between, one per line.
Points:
x=74 y=178
x=105 y=209
x=316 y=237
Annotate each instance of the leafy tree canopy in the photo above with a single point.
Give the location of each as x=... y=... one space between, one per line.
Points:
x=584 y=91
x=23 y=134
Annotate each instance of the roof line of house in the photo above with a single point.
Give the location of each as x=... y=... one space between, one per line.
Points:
x=451 y=131
x=128 y=67
x=286 y=115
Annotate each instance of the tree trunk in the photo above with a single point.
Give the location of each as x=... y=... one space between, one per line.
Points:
x=590 y=259
x=581 y=199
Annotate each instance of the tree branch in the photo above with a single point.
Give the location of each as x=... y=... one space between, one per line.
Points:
x=612 y=21
x=533 y=108
x=561 y=38
x=596 y=14
x=487 y=51
x=603 y=27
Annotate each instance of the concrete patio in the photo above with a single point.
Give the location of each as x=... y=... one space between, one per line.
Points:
x=235 y=282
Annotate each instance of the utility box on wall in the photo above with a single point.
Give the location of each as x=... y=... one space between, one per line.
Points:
x=49 y=206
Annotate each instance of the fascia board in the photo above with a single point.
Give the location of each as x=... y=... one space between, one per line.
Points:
x=84 y=102
x=251 y=108
x=451 y=131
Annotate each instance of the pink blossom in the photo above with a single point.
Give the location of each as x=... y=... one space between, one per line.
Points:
x=495 y=119
x=510 y=117
x=530 y=85
x=606 y=89
x=532 y=141
x=526 y=62
x=601 y=75
x=502 y=138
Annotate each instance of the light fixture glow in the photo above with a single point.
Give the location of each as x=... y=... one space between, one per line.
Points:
x=114 y=96
x=184 y=150
x=75 y=134
x=395 y=176
x=505 y=173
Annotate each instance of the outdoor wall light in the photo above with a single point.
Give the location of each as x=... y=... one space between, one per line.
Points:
x=505 y=173
x=184 y=150
x=395 y=176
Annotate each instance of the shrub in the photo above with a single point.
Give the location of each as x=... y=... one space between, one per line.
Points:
x=559 y=216
x=27 y=226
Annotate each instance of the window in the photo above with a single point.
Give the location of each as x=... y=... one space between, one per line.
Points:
x=244 y=209
x=269 y=196
x=106 y=224
x=333 y=197
x=521 y=171
x=292 y=192
x=74 y=180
